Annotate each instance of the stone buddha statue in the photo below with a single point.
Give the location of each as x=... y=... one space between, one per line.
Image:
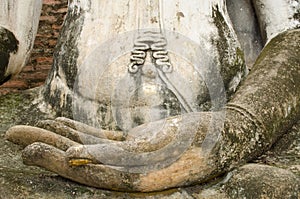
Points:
x=154 y=95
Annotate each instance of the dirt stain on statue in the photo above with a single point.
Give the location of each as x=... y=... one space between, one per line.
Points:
x=8 y=44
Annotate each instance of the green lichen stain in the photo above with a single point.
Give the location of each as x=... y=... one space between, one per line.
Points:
x=273 y=46
x=231 y=57
x=65 y=64
x=9 y=108
x=17 y=108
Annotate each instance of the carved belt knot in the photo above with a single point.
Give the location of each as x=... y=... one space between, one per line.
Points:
x=154 y=42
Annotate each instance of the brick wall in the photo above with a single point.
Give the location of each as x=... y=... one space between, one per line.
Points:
x=37 y=68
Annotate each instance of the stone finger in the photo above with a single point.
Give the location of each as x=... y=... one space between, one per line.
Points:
x=68 y=132
x=190 y=165
x=55 y=160
x=100 y=133
x=26 y=135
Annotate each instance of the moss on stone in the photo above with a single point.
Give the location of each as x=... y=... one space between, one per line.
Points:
x=261 y=181
x=231 y=57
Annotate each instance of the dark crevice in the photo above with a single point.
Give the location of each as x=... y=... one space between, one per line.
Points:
x=8 y=44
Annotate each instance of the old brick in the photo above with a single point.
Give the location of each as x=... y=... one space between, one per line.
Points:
x=49 y=19
x=56 y=27
x=44 y=59
x=15 y=84
x=52 y=42
x=51 y=2
x=59 y=11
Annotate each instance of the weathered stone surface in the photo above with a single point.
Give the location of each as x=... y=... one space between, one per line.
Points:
x=32 y=182
x=261 y=181
x=35 y=183
x=40 y=61
x=267 y=114
x=270 y=117
x=276 y=17
x=246 y=27
x=18 y=23
x=90 y=33
x=255 y=118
